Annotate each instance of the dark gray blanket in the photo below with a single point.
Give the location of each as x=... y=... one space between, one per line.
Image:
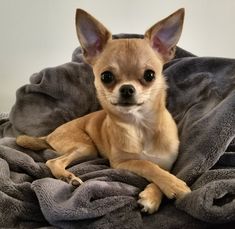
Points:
x=201 y=97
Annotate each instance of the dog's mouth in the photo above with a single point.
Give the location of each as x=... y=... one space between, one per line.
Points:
x=127 y=104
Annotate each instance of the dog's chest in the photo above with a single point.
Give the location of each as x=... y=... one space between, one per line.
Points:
x=145 y=144
x=164 y=160
x=152 y=151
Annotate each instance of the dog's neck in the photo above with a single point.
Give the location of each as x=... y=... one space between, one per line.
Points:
x=146 y=117
x=131 y=129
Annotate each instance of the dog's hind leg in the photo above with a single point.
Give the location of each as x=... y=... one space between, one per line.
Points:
x=59 y=164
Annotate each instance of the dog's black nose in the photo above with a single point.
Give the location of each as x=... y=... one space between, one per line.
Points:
x=127 y=91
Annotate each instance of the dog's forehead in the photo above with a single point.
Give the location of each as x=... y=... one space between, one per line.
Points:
x=129 y=54
x=132 y=49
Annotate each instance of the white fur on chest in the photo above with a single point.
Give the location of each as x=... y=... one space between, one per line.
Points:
x=164 y=160
x=143 y=132
x=153 y=153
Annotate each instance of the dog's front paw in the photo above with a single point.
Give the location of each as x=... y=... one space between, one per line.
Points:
x=150 y=199
x=72 y=179
x=173 y=187
x=148 y=204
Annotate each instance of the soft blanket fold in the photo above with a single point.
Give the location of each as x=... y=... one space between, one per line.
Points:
x=201 y=97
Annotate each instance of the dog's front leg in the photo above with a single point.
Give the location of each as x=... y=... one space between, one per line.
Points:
x=169 y=184
x=59 y=164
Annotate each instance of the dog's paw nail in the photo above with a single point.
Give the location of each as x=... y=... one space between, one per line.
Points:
x=149 y=206
x=172 y=195
x=76 y=182
x=144 y=210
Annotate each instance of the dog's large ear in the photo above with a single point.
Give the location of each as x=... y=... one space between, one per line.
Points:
x=92 y=35
x=164 y=35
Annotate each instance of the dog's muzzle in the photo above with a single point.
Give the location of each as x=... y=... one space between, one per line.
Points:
x=127 y=94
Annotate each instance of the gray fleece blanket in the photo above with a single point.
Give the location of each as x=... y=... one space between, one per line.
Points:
x=201 y=97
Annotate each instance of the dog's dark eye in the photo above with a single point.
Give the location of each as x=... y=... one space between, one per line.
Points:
x=107 y=77
x=149 y=75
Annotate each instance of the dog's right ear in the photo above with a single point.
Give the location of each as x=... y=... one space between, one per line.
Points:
x=92 y=35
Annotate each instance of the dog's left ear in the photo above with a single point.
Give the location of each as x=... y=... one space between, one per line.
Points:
x=165 y=34
x=92 y=35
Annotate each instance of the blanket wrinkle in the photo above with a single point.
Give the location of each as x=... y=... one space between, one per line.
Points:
x=206 y=207
x=201 y=98
x=12 y=193
x=92 y=198
x=213 y=175
x=59 y=96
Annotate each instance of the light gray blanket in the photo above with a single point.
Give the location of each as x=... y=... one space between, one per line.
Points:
x=201 y=97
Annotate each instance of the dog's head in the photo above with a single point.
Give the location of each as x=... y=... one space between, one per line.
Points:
x=128 y=72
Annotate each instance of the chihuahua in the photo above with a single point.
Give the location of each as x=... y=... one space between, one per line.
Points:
x=134 y=130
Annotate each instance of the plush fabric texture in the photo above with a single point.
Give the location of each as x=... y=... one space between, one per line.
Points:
x=201 y=97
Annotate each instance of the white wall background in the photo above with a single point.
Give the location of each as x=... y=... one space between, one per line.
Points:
x=35 y=34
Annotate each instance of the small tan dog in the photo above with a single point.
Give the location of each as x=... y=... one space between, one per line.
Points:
x=134 y=130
